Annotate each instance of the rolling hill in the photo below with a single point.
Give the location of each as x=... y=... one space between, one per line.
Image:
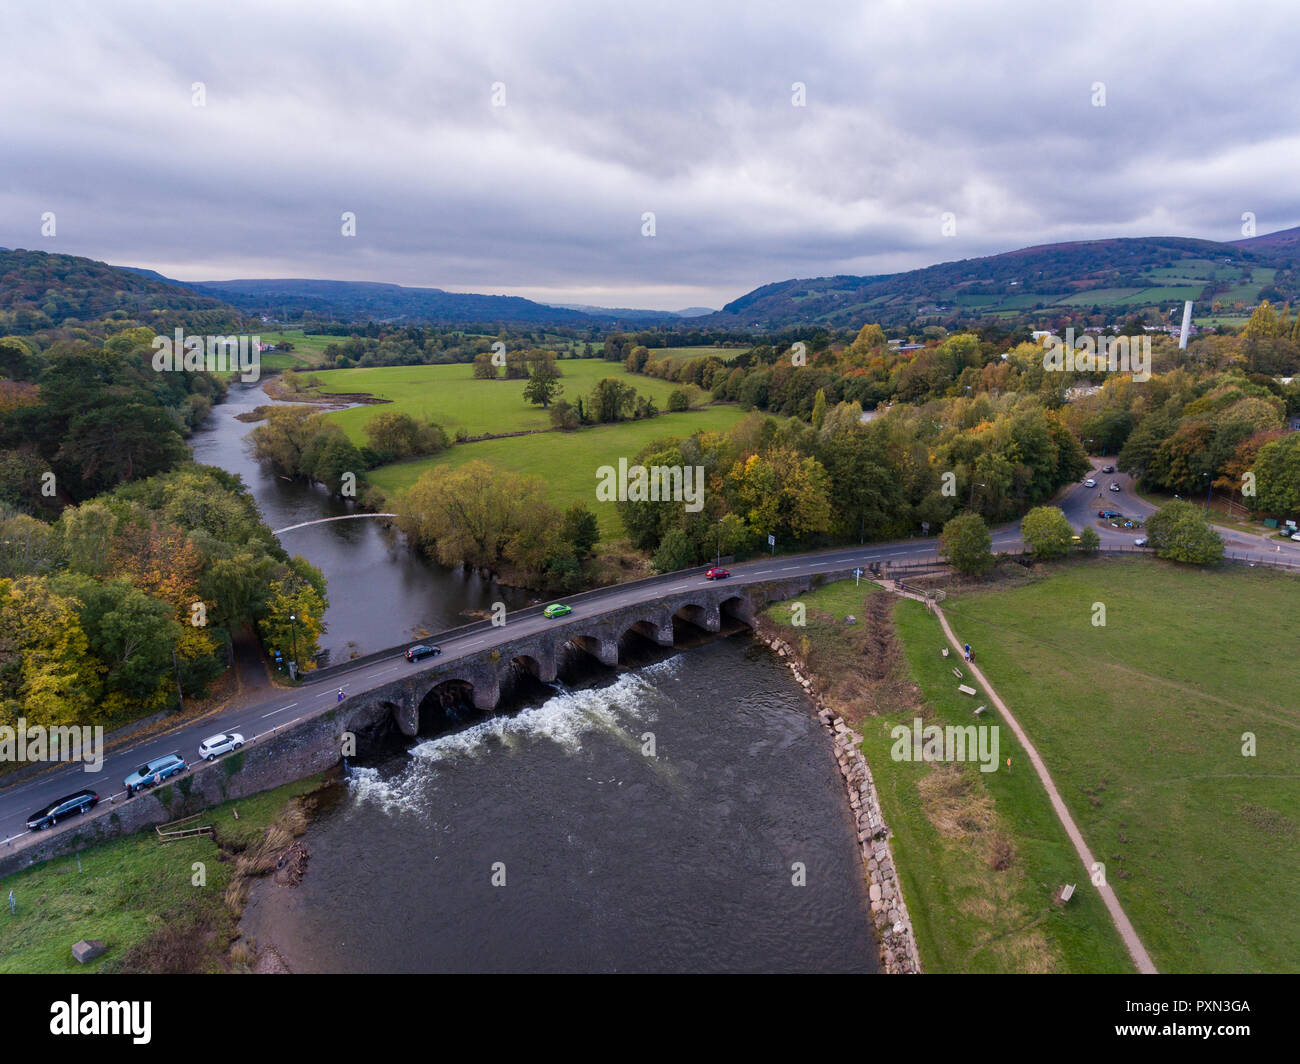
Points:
x=40 y=290
x=291 y=298
x=1117 y=276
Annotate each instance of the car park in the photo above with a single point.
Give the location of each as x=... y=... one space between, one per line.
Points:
x=422 y=650
x=717 y=573
x=81 y=802
x=215 y=745
x=155 y=771
x=556 y=609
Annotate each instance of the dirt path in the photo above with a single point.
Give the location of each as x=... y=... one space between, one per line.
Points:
x=1131 y=941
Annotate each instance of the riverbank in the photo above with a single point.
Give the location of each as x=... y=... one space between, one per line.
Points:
x=158 y=907
x=980 y=857
x=893 y=925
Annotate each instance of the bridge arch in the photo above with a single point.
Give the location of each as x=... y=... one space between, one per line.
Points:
x=601 y=647
x=449 y=702
x=739 y=608
x=656 y=630
x=706 y=616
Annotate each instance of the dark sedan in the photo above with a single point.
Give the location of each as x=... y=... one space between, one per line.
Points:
x=420 y=650
x=81 y=802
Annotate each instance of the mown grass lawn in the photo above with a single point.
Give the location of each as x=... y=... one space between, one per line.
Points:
x=451 y=396
x=567 y=461
x=128 y=888
x=948 y=822
x=1142 y=724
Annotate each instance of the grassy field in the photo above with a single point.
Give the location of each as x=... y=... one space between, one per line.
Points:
x=687 y=353
x=567 y=461
x=450 y=396
x=952 y=824
x=1141 y=722
x=307 y=350
x=130 y=892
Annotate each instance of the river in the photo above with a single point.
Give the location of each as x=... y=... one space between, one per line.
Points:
x=380 y=592
x=650 y=817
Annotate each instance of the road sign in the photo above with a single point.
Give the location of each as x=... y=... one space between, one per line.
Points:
x=771 y=541
x=925 y=526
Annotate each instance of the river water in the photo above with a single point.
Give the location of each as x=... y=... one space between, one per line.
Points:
x=380 y=592
x=652 y=817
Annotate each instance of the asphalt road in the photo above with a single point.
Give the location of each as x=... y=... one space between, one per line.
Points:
x=269 y=707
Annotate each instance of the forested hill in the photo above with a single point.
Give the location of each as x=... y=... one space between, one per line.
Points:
x=41 y=291
x=291 y=298
x=1122 y=276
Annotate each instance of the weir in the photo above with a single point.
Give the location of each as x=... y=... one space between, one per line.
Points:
x=598 y=635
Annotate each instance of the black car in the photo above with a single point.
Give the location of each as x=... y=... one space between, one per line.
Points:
x=420 y=650
x=81 y=802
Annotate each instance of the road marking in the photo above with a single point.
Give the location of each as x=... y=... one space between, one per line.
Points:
x=280 y=710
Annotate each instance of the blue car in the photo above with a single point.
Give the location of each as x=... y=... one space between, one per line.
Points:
x=154 y=771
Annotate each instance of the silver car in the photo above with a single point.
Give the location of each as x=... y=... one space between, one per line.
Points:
x=212 y=748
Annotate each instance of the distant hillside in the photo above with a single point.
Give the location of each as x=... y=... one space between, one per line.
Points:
x=40 y=290
x=1118 y=277
x=1283 y=243
x=619 y=313
x=368 y=301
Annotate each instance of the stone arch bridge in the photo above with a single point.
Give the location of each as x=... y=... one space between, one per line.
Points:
x=596 y=634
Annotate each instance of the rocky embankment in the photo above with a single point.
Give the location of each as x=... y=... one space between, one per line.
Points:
x=898 y=953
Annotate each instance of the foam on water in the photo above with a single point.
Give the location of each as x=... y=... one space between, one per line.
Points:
x=564 y=719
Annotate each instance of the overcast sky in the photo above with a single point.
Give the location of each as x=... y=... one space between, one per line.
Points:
x=611 y=110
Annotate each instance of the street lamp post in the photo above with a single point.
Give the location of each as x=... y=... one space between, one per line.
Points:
x=719 y=542
x=973 y=486
x=293 y=628
x=1209 y=489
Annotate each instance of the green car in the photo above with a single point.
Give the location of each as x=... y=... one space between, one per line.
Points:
x=556 y=609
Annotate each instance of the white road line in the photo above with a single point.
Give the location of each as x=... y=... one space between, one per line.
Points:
x=280 y=710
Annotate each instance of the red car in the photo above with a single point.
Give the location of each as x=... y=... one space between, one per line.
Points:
x=717 y=574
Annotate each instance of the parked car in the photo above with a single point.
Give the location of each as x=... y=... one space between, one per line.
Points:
x=1108 y=469
x=155 y=771
x=1107 y=515
x=81 y=802
x=1141 y=541
x=717 y=574
x=556 y=609
x=1132 y=524
x=216 y=745
x=1296 y=536
x=422 y=650
x=1091 y=482
x=1114 y=486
